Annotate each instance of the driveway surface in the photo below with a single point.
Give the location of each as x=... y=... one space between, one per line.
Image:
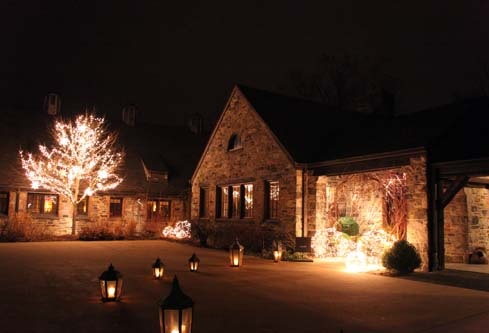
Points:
x=53 y=287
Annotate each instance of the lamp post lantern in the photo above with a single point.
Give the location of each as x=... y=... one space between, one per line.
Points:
x=111 y=284
x=158 y=269
x=236 y=254
x=193 y=263
x=176 y=311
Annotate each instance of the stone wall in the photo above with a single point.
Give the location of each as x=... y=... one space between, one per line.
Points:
x=417 y=228
x=478 y=217
x=360 y=196
x=259 y=159
x=456 y=229
x=133 y=212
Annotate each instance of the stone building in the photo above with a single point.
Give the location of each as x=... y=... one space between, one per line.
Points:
x=287 y=162
x=155 y=191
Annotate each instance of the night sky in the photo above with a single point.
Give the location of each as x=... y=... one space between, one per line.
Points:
x=169 y=58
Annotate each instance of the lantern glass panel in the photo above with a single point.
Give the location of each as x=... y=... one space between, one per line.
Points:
x=158 y=272
x=194 y=265
x=171 y=321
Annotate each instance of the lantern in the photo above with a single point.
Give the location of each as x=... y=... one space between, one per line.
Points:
x=158 y=269
x=277 y=251
x=176 y=311
x=236 y=253
x=111 y=284
x=193 y=263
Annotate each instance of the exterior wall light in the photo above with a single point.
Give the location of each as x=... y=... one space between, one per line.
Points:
x=176 y=311
x=193 y=263
x=111 y=284
x=158 y=269
x=236 y=254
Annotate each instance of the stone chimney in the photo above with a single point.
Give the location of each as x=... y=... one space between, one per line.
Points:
x=129 y=115
x=52 y=104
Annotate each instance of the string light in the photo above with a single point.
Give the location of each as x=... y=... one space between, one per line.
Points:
x=181 y=230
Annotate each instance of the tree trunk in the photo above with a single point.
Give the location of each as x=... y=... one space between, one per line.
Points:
x=73 y=219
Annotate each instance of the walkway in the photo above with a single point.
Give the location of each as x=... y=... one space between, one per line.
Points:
x=53 y=287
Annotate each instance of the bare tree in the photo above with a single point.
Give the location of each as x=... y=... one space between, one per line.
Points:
x=83 y=160
x=345 y=83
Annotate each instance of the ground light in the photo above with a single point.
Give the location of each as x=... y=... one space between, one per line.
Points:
x=193 y=263
x=176 y=311
x=158 y=269
x=236 y=254
x=111 y=284
x=277 y=255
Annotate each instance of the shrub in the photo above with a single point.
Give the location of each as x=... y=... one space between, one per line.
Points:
x=22 y=227
x=403 y=257
x=349 y=226
x=102 y=230
x=201 y=230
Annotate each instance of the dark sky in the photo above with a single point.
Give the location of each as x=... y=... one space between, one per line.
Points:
x=183 y=56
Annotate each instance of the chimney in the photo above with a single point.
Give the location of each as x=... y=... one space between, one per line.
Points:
x=52 y=104
x=129 y=115
x=195 y=123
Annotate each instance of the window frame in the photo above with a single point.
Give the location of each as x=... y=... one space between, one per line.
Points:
x=113 y=211
x=82 y=214
x=234 y=142
x=157 y=216
x=7 y=203
x=204 y=202
x=233 y=204
x=272 y=205
x=41 y=202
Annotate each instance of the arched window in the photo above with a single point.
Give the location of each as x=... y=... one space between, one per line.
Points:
x=234 y=142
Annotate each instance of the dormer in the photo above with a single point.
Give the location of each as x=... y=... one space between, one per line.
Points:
x=155 y=174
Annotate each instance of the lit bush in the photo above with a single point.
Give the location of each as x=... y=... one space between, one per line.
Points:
x=403 y=257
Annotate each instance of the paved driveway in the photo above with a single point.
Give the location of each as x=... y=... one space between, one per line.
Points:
x=53 y=287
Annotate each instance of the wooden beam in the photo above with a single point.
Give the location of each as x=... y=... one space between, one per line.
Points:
x=451 y=191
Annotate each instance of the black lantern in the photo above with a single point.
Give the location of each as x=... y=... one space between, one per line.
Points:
x=111 y=284
x=236 y=253
x=158 y=269
x=193 y=263
x=176 y=311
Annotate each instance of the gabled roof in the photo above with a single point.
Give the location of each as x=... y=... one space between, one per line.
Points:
x=311 y=132
x=174 y=150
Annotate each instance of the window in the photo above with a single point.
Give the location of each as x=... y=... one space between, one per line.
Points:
x=115 y=207
x=204 y=202
x=4 y=203
x=82 y=207
x=248 y=200
x=38 y=203
x=235 y=201
x=222 y=201
x=158 y=210
x=272 y=193
x=234 y=142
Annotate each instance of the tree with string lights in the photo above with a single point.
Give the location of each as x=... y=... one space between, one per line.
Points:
x=84 y=159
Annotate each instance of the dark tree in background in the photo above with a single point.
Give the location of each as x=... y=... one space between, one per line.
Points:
x=346 y=83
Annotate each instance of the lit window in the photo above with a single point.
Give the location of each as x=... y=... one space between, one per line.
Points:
x=234 y=142
x=158 y=210
x=236 y=202
x=223 y=201
x=248 y=200
x=82 y=207
x=115 y=207
x=273 y=190
x=3 y=203
x=38 y=203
